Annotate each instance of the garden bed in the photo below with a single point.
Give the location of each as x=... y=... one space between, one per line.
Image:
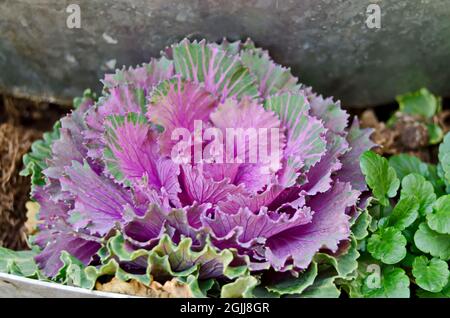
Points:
x=19 y=129
x=118 y=211
x=22 y=121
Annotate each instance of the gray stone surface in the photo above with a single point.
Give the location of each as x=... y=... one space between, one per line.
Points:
x=326 y=42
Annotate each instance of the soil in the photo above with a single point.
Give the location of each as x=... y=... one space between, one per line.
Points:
x=23 y=121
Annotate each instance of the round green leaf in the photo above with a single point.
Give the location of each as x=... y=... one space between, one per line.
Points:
x=421 y=103
x=435 y=134
x=431 y=275
x=415 y=185
x=439 y=220
x=444 y=158
x=404 y=213
x=405 y=164
x=394 y=283
x=444 y=293
x=429 y=241
x=387 y=245
x=381 y=178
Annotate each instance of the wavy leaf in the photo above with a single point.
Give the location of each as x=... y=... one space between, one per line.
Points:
x=222 y=74
x=305 y=134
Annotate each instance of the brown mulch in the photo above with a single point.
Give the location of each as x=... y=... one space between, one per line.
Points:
x=408 y=134
x=171 y=289
x=21 y=122
x=15 y=141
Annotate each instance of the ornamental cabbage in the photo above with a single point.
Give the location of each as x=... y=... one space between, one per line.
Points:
x=143 y=176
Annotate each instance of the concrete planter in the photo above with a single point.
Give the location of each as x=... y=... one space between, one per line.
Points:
x=12 y=286
x=327 y=42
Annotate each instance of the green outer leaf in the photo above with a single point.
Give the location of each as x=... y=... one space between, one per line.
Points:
x=439 y=220
x=109 y=266
x=405 y=164
x=431 y=275
x=18 y=263
x=172 y=260
x=323 y=287
x=346 y=264
x=112 y=268
x=381 y=178
x=415 y=186
x=291 y=285
x=387 y=245
x=262 y=292
x=241 y=288
x=404 y=213
x=165 y=261
x=360 y=227
x=444 y=158
x=73 y=273
x=35 y=161
x=429 y=241
x=421 y=103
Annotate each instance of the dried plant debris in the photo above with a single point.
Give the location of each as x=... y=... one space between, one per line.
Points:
x=15 y=141
x=170 y=289
x=414 y=128
x=21 y=123
x=383 y=136
x=31 y=225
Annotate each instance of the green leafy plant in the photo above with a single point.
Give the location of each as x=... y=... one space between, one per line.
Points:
x=422 y=105
x=408 y=227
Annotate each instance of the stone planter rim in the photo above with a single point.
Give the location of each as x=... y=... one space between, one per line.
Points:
x=12 y=286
